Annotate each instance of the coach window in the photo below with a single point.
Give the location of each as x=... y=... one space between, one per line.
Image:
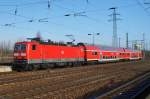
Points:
x=33 y=47
x=94 y=53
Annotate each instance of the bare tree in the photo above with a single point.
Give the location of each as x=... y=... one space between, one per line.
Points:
x=6 y=51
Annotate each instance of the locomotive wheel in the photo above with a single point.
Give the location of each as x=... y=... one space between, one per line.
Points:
x=36 y=66
x=69 y=64
x=28 y=68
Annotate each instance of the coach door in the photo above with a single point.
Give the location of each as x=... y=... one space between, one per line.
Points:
x=101 y=56
x=34 y=54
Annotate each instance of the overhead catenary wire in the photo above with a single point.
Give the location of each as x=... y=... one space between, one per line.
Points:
x=33 y=20
x=140 y=4
x=147 y=3
x=48 y=2
x=25 y=4
x=47 y=19
x=40 y=20
x=15 y=14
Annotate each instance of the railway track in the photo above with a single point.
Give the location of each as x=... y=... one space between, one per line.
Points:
x=13 y=75
x=19 y=77
x=48 y=86
x=42 y=74
x=79 y=89
x=58 y=77
x=67 y=82
x=124 y=87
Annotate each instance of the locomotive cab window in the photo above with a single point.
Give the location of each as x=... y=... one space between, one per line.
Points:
x=17 y=47
x=33 y=47
x=21 y=47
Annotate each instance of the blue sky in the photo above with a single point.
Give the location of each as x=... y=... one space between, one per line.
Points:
x=135 y=20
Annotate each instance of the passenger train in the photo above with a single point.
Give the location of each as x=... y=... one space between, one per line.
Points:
x=37 y=54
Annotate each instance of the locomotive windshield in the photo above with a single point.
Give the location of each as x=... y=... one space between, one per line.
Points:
x=20 y=47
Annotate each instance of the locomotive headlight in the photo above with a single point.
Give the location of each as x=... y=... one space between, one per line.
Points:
x=16 y=54
x=23 y=54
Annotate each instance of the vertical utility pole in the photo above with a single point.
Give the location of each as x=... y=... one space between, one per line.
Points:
x=127 y=41
x=143 y=46
x=143 y=41
x=149 y=46
x=94 y=34
x=133 y=45
x=93 y=39
x=119 y=42
x=114 y=19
